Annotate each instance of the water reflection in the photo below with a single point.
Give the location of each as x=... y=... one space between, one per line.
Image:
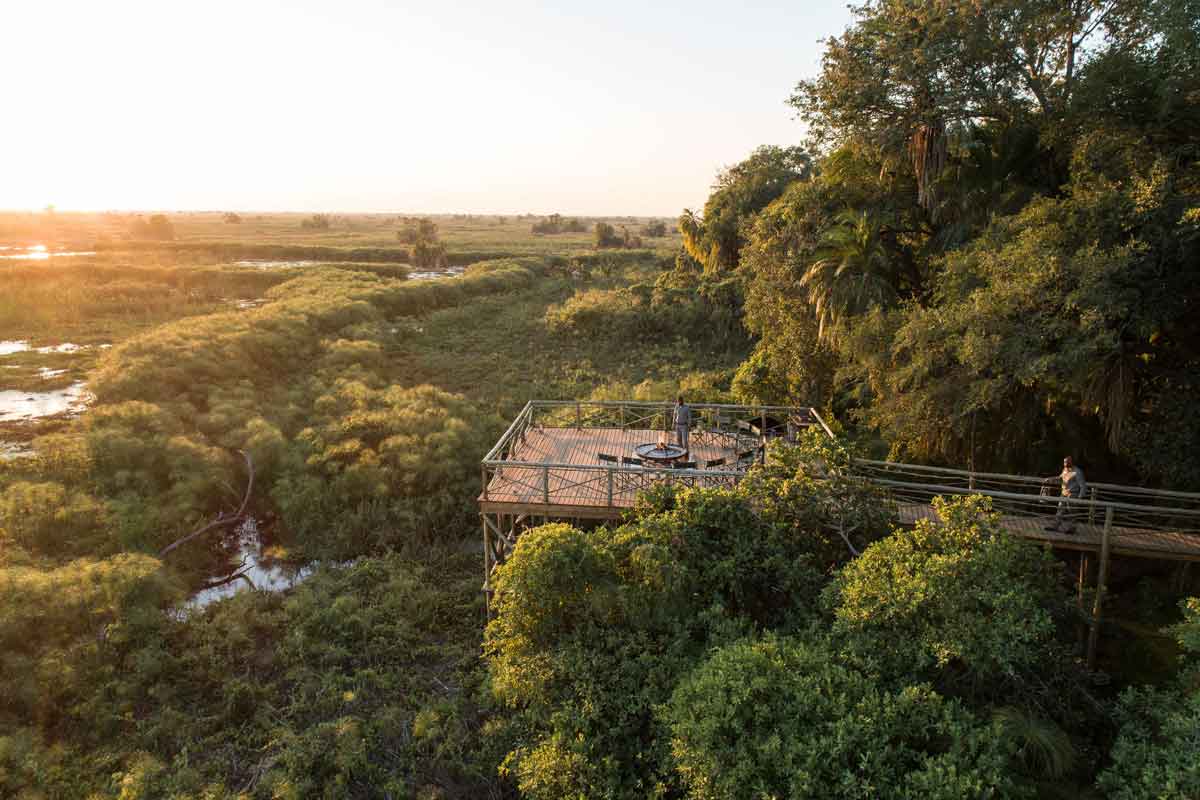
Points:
x=430 y=274
x=255 y=568
x=259 y=263
x=39 y=252
x=18 y=405
x=11 y=450
x=10 y=346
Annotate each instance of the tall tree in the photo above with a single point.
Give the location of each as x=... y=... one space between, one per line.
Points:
x=715 y=239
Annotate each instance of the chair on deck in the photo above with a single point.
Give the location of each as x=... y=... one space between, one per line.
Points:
x=714 y=462
x=746 y=458
x=605 y=457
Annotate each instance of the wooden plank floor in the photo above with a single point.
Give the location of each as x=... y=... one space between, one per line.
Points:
x=588 y=488
x=1125 y=541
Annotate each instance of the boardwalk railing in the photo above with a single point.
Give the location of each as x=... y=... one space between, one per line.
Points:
x=1111 y=519
x=738 y=429
x=1030 y=503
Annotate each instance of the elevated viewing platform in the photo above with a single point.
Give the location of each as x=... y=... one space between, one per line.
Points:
x=571 y=460
x=567 y=459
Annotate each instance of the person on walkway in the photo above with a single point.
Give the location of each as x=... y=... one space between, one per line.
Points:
x=683 y=423
x=1074 y=485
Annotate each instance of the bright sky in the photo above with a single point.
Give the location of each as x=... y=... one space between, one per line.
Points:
x=366 y=105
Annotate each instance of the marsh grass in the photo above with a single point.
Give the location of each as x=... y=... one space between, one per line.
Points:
x=367 y=401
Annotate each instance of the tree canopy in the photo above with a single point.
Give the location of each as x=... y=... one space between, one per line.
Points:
x=998 y=239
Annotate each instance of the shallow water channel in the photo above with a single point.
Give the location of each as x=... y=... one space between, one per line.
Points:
x=16 y=405
x=252 y=567
x=39 y=252
x=25 y=405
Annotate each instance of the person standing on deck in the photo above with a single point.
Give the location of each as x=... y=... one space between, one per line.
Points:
x=683 y=423
x=1074 y=485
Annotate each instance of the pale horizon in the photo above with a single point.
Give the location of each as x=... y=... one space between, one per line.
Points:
x=375 y=107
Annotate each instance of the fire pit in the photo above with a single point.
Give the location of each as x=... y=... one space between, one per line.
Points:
x=660 y=452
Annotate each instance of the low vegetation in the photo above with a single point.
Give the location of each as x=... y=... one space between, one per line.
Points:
x=961 y=271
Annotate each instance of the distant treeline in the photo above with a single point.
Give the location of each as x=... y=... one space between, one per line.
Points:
x=239 y=250
x=556 y=223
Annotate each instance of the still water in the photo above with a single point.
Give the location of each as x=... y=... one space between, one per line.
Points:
x=39 y=252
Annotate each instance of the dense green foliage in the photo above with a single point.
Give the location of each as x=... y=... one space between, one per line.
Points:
x=356 y=685
x=1009 y=260
x=783 y=718
x=555 y=223
x=697 y=650
x=716 y=239
x=1155 y=753
x=987 y=253
x=961 y=595
x=595 y=629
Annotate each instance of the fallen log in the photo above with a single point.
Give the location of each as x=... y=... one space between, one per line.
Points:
x=221 y=521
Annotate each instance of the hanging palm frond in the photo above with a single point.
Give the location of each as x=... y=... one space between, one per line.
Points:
x=927 y=148
x=691 y=228
x=1112 y=393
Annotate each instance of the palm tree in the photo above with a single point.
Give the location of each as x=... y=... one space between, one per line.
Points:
x=853 y=273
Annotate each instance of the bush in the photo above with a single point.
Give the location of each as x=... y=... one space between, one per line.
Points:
x=655 y=229
x=958 y=601
x=607 y=236
x=782 y=718
x=408 y=454
x=1155 y=752
x=416 y=231
x=317 y=222
x=593 y=631
x=158 y=228
x=429 y=255
x=556 y=224
x=48 y=519
x=811 y=489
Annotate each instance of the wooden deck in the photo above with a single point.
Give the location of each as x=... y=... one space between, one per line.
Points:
x=578 y=484
x=1167 y=545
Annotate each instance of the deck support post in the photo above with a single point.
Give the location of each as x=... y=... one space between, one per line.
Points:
x=1101 y=587
x=546 y=485
x=1085 y=564
x=610 y=487
x=487 y=569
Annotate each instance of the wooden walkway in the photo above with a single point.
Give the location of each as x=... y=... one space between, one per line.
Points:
x=547 y=466
x=555 y=472
x=1088 y=537
x=563 y=475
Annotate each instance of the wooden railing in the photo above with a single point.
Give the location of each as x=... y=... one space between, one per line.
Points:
x=739 y=428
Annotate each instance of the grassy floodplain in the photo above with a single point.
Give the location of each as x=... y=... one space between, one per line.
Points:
x=366 y=399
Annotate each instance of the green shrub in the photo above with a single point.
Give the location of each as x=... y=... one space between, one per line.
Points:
x=1155 y=752
x=782 y=718
x=49 y=519
x=593 y=630
x=810 y=488
x=957 y=596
